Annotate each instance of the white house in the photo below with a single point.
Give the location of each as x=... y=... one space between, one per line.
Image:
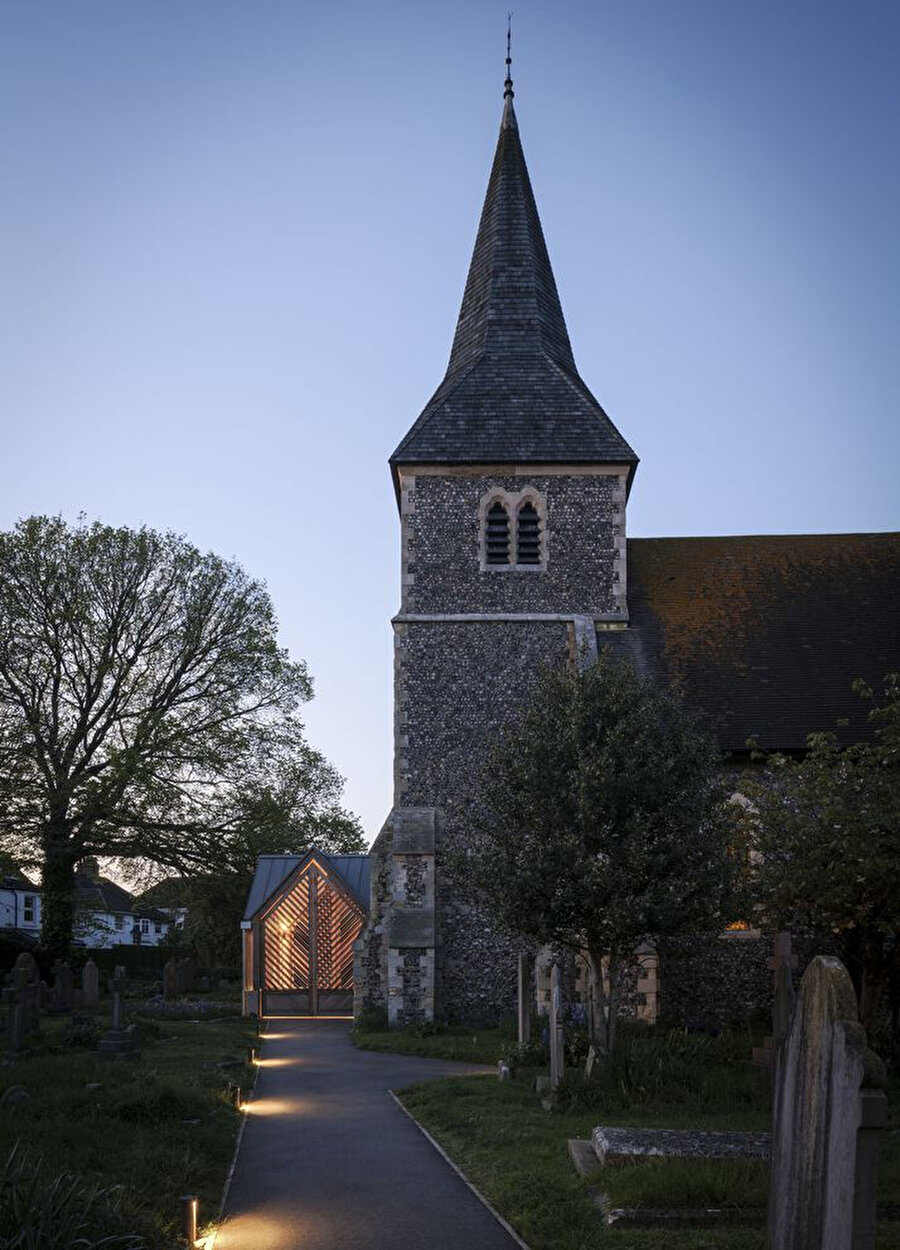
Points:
x=20 y=906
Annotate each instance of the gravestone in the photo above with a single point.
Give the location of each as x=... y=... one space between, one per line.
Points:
x=90 y=984
x=828 y=1122
x=557 y=1040
x=782 y=962
x=27 y=963
x=15 y=1000
x=525 y=998
x=187 y=973
x=118 y=1042
x=63 y=988
x=170 y=981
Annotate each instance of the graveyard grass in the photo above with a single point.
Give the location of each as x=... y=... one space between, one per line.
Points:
x=159 y=1126
x=462 y=1045
x=515 y=1152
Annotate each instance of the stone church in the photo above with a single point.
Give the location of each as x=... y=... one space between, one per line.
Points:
x=512 y=487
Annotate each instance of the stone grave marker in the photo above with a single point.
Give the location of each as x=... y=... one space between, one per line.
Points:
x=63 y=989
x=15 y=1001
x=187 y=973
x=828 y=1122
x=557 y=1041
x=27 y=963
x=782 y=962
x=119 y=1041
x=170 y=981
x=90 y=984
x=525 y=999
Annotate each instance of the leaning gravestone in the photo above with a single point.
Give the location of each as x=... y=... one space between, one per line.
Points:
x=170 y=981
x=827 y=1125
x=90 y=984
x=186 y=975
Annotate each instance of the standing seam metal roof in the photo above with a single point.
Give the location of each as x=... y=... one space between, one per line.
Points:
x=273 y=870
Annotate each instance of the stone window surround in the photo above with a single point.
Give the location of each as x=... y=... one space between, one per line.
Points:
x=512 y=500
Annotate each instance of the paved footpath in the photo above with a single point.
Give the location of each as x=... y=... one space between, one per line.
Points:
x=328 y=1160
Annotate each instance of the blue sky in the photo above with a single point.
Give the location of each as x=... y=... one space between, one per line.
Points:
x=234 y=236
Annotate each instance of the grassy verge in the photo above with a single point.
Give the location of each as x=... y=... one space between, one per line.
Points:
x=157 y=1127
x=464 y=1045
x=515 y=1152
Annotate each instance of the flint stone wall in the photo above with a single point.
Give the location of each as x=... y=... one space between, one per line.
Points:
x=583 y=529
x=707 y=981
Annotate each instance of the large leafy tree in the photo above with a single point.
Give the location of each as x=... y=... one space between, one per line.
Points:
x=600 y=823
x=137 y=678
x=289 y=802
x=826 y=831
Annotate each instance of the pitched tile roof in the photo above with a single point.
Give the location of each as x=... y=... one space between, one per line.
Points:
x=765 y=635
x=512 y=391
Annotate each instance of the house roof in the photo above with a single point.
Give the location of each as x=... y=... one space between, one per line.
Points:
x=170 y=893
x=101 y=894
x=512 y=391
x=766 y=634
x=273 y=870
x=16 y=881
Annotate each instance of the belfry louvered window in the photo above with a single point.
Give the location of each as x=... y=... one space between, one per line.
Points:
x=497 y=534
x=528 y=535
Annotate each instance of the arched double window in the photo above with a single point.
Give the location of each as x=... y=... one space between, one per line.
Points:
x=513 y=530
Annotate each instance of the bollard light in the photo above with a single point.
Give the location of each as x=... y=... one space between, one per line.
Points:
x=252 y=1055
x=236 y=1097
x=190 y=1206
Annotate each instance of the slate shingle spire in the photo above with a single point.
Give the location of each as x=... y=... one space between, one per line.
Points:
x=512 y=392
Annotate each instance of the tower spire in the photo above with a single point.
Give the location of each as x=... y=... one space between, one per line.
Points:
x=508 y=92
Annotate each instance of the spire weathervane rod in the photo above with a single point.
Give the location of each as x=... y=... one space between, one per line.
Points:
x=508 y=92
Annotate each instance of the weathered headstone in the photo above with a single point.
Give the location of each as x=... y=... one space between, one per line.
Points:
x=525 y=999
x=187 y=972
x=782 y=962
x=827 y=1122
x=27 y=964
x=557 y=1040
x=118 y=1041
x=63 y=986
x=15 y=1001
x=90 y=984
x=170 y=981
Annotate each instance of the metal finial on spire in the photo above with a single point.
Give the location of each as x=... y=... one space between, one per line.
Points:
x=508 y=92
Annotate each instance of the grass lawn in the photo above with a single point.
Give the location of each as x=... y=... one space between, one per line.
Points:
x=158 y=1127
x=515 y=1152
x=465 y=1045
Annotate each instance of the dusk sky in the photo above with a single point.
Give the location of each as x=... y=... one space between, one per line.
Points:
x=234 y=238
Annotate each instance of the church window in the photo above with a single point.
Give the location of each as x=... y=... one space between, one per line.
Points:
x=497 y=534
x=528 y=535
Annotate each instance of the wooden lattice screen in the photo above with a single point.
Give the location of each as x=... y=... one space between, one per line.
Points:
x=308 y=938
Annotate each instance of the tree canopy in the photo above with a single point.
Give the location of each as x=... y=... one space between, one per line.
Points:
x=825 y=830
x=600 y=822
x=141 y=681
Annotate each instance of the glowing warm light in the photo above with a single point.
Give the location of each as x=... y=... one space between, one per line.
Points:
x=276 y=1063
x=275 y=1106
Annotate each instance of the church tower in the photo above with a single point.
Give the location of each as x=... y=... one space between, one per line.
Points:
x=512 y=487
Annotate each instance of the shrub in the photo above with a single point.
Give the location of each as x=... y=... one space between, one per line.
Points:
x=371 y=1020
x=39 y=1211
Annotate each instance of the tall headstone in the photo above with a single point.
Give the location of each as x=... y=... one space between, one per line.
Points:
x=170 y=980
x=90 y=984
x=186 y=975
x=557 y=1040
x=525 y=996
x=27 y=964
x=63 y=987
x=782 y=962
x=118 y=1041
x=827 y=1124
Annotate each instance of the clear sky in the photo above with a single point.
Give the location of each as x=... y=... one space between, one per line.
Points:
x=234 y=237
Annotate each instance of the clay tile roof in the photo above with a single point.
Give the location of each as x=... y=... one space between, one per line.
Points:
x=765 y=635
x=512 y=391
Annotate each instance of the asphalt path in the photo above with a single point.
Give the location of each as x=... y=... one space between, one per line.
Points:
x=328 y=1161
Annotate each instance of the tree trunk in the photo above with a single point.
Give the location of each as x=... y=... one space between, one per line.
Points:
x=57 y=896
x=604 y=1005
x=869 y=966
